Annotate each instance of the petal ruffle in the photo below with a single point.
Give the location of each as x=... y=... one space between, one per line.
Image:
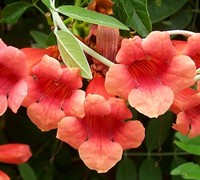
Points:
x=74 y=106
x=119 y=84
x=180 y=73
x=96 y=105
x=17 y=95
x=100 y=154
x=182 y=123
x=71 y=131
x=71 y=77
x=48 y=67
x=152 y=100
x=4 y=176
x=4 y=104
x=130 y=51
x=45 y=116
x=14 y=60
x=119 y=109
x=158 y=45
x=2 y=45
x=130 y=134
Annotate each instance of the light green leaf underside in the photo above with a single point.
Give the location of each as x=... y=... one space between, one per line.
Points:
x=91 y=16
x=72 y=54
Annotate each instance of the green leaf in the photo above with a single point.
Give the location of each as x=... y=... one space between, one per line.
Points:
x=40 y=38
x=72 y=54
x=160 y=10
x=157 y=131
x=187 y=171
x=149 y=171
x=91 y=16
x=26 y=172
x=47 y=3
x=126 y=170
x=176 y=162
x=194 y=149
x=12 y=12
x=191 y=145
x=134 y=14
x=175 y=21
x=187 y=140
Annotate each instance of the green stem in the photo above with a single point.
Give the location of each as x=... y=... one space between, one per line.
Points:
x=158 y=154
x=59 y=23
x=77 y=3
x=38 y=8
x=181 y=32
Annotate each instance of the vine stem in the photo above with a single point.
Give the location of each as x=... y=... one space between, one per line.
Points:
x=181 y=32
x=158 y=154
x=59 y=23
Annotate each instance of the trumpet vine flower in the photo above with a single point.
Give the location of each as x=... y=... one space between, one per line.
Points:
x=149 y=73
x=53 y=93
x=105 y=130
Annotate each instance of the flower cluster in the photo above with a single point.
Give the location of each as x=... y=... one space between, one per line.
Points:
x=153 y=75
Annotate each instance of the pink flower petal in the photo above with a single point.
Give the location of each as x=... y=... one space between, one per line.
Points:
x=180 y=73
x=4 y=104
x=74 y=106
x=71 y=77
x=158 y=45
x=119 y=81
x=130 y=51
x=48 y=67
x=4 y=176
x=130 y=134
x=182 y=123
x=33 y=92
x=152 y=100
x=193 y=116
x=14 y=60
x=96 y=105
x=119 y=110
x=34 y=55
x=45 y=116
x=100 y=154
x=2 y=44
x=14 y=153
x=17 y=95
x=71 y=131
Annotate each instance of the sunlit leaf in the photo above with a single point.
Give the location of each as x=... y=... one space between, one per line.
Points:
x=126 y=170
x=149 y=171
x=134 y=14
x=157 y=131
x=194 y=149
x=72 y=54
x=160 y=10
x=191 y=145
x=47 y=3
x=91 y=16
x=26 y=172
x=175 y=163
x=187 y=171
x=12 y=12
